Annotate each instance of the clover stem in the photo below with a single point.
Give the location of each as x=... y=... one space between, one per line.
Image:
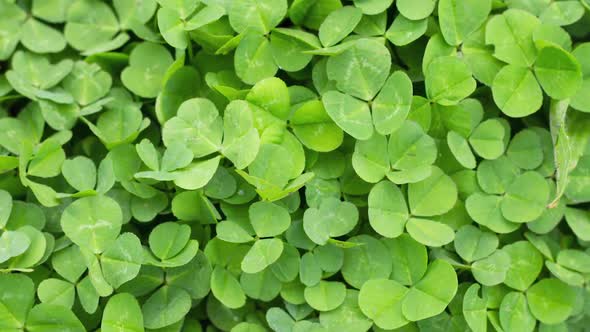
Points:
x=557 y=116
x=190 y=51
x=561 y=146
x=9 y=270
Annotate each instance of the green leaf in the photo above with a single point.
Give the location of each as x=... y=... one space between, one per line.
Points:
x=197 y=174
x=226 y=288
x=339 y=24
x=204 y=16
x=392 y=105
x=373 y=7
x=92 y=222
x=558 y=72
x=262 y=254
x=326 y=295
x=574 y=259
x=315 y=165
x=57 y=292
x=370 y=259
x=53 y=11
x=274 y=164
x=435 y=195
x=350 y=114
x=427 y=298
x=247 y=327
x=13 y=244
x=184 y=8
x=511 y=35
x=194 y=277
x=119 y=126
x=333 y=218
x=39 y=244
x=148 y=154
x=268 y=219
x=168 y=239
x=148 y=63
x=253 y=58
x=231 y=231
x=87 y=83
x=566 y=275
x=381 y=301
x=16 y=299
x=448 y=80
x=388 y=212
x=258 y=16
x=197 y=125
x=577 y=101
x=110 y=45
x=87 y=295
x=410 y=259
x=458 y=19
x=404 y=31
x=9 y=138
x=573 y=189
x=172 y=28
x=473 y=244
x=459 y=146
x=122 y=313
x=526 y=198
x=166 y=306
x=525 y=265
x=410 y=147
x=38 y=71
x=52 y=318
x=178 y=87
x=491 y=270
x=552 y=34
x=69 y=263
x=272 y=95
x=494 y=176
x=475 y=309
x=289 y=48
x=565 y=13
x=80 y=173
x=5 y=207
x=240 y=139
x=315 y=129
x=41 y=38
x=222 y=185
x=515 y=314
x=487 y=139
x=416 y=10
x=525 y=150
x=310 y=272
x=361 y=70
x=430 y=233
x=479 y=57
x=551 y=301
x=26 y=214
x=370 y=160
x=121 y=262
x=89 y=23
x=535 y=7
x=348 y=316
x=130 y=13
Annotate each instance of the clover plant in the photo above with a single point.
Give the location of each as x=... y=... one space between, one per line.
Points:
x=294 y=165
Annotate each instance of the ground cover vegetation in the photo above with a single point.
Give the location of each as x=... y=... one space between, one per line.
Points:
x=294 y=165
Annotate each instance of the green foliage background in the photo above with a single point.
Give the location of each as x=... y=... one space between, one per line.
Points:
x=294 y=165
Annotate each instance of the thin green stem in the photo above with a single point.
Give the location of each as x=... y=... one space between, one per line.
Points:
x=557 y=116
x=561 y=146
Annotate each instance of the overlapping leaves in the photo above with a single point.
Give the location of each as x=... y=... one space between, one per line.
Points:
x=326 y=165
